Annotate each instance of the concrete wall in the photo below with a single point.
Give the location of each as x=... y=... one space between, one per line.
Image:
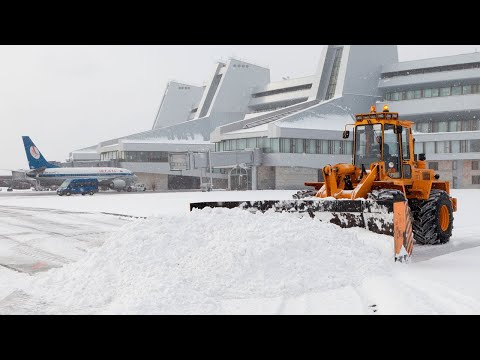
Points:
x=314 y=161
x=293 y=178
x=177 y=102
x=236 y=86
x=445 y=171
x=364 y=67
x=210 y=91
x=467 y=175
x=166 y=146
x=434 y=106
x=265 y=178
x=463 y=173
x=79 y=156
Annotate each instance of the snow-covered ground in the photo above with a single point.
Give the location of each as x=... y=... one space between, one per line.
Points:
x=219 y=261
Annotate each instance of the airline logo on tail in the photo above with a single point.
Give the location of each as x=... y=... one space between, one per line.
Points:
x=34 y=152
x=34 y=156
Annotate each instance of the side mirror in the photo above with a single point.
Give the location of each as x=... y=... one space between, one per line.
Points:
x=398 y=129
x=346 y=134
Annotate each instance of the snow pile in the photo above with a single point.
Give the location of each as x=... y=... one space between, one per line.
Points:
x=319 y=122
x=199 y=262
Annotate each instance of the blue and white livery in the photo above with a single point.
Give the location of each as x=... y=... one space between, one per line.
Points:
x=48 y=174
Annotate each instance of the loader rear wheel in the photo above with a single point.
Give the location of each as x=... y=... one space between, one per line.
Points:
x=433 y=219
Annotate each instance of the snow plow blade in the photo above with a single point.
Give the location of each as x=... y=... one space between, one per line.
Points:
x=388 y=217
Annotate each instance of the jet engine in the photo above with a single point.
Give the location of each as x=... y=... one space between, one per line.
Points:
x=117 y=184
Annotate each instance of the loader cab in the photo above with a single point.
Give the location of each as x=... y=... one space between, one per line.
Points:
x=383 y=137
x=377 y=142
x=367 y=149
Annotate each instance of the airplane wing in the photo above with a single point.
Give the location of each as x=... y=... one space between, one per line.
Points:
x=104 y=181
x=37 y=171
x=17 y=176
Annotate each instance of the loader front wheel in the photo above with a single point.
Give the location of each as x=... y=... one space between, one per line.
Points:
x=433 y=219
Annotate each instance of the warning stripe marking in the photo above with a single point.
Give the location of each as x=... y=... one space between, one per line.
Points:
x=403 y=229
x=408 y=243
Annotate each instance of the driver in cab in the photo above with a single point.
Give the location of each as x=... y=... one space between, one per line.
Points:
x=386 y=151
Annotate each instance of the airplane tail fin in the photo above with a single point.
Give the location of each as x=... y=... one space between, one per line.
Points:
x=34 y=156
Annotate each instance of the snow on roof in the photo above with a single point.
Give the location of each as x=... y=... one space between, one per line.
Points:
x=162 y=140
x=90 y=149
x=5 y=173
x=318 y=122
x=263 y=127
x=85 y=151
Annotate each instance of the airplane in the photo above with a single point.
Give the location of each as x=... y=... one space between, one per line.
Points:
x=49 y=174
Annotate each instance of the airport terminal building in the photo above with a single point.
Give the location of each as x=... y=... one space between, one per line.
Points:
x=242 y=131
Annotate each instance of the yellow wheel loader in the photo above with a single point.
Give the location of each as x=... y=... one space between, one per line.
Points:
x=386 y=189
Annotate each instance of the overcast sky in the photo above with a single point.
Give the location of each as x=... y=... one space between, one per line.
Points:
x=70 y=97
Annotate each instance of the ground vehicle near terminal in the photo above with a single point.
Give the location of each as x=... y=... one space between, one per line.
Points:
x=387 y=188
x=139 y=187
x=78 y=186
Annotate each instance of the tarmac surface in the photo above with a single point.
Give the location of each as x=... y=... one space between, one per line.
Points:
x=36 y=239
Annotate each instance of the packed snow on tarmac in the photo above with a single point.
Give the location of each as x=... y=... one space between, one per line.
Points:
x=219 y=261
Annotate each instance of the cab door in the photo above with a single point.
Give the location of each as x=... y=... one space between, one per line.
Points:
x=392 y=152
x=406 y=135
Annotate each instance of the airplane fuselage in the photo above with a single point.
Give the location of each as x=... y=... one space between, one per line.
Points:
x=105 y=175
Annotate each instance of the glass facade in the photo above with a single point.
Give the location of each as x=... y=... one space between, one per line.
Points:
x=447 y=147
x=334 y=74
x=473 y=65
x=288 y=145
x=447 y=126
x=136 y=156
x=433 y=92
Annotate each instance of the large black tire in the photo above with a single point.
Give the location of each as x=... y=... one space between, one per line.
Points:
x=432 y=219
x=68 y=193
